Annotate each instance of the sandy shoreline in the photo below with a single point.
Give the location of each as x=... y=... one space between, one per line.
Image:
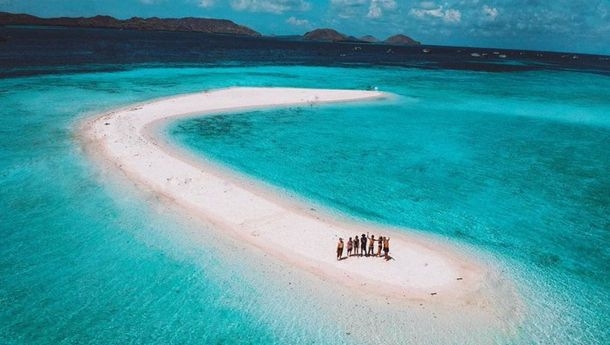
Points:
x=291 y=231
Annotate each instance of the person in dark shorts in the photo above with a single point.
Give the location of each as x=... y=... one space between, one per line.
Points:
x=363 y=245
x=386 y=247
x=379 y=245
x=356 y=245
x=340 y=249
x=371 y=251
x=350 y=245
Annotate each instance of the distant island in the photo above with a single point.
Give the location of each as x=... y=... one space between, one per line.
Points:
x=331 y=35
x=325 y=35
x=401 y=40
x=369 y=39
x=189 y=24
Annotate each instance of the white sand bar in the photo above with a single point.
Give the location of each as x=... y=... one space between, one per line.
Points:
x=287 y=229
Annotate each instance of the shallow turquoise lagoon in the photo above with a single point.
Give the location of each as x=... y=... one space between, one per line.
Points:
x=514 y=165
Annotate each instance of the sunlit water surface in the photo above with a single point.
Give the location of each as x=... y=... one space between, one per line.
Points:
x=512 y=164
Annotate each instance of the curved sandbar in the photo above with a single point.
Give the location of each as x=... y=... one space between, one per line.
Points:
x=291 y=231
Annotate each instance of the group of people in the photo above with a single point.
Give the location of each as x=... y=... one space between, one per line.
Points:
x=364 y=246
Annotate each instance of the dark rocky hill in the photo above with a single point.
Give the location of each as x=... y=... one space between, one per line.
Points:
x=190 y=24
x=401 y=40
x=329 y=35
x=369 y=38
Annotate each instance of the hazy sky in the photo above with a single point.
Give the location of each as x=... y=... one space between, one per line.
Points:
x=561 y=25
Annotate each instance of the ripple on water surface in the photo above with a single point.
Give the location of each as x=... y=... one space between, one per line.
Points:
x=515 y=171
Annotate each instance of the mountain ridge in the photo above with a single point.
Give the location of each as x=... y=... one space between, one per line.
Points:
x=186 y=24
x=332 y=35
x=190 y=24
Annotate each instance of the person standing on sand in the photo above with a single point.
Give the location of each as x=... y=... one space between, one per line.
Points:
x=363 y=245
x=386 y=246
x=340 y=249
x=356 y=245
x=371 y=246
x=349 y=247
x=379 y=245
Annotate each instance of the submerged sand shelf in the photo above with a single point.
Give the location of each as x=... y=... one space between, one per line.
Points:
x=128 y=140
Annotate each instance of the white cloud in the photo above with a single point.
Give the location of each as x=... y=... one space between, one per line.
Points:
x=348 y=8
x=422 y=13
x=206 y=3
x=270 y=6
x=490 y=13
x=358 y=8
x=377 y=7
x=374 y=12
x=429 y=10
x=297 y=22
x=452 y=16
x=348 y=3
x=427 y=5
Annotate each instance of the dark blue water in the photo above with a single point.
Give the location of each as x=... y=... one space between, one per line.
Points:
x=31 y=50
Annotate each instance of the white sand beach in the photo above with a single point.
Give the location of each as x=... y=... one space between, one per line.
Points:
x=286 y=228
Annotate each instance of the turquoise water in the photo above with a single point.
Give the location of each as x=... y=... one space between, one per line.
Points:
x=518 y=172
x=515 y=164
x=81 y=263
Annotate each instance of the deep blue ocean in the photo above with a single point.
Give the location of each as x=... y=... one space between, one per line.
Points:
x=509 y=157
